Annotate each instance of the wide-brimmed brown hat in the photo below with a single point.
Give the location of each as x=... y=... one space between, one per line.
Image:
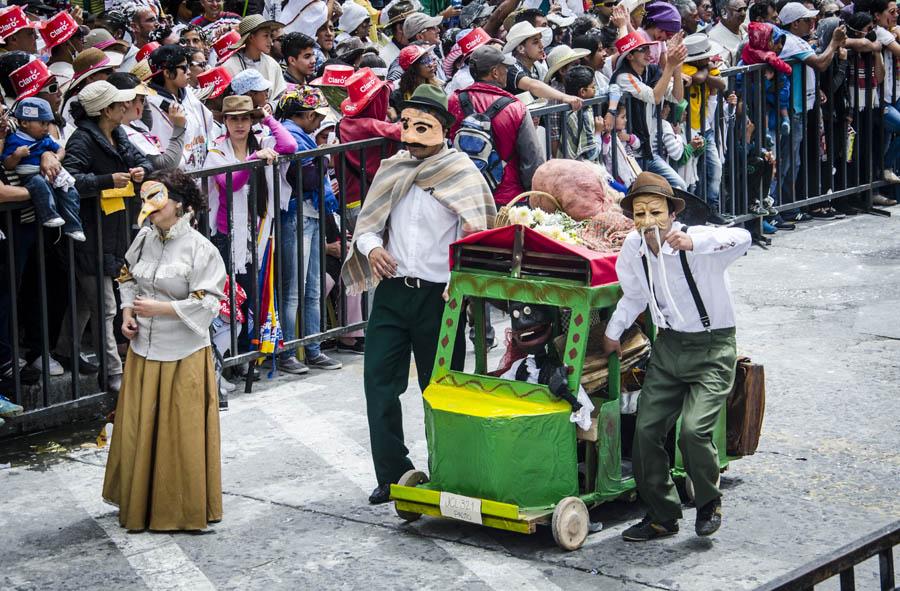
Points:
x=240 y=105
x=250 y=24
x=648 y=183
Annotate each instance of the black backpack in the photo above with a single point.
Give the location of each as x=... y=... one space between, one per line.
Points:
x=476 y=140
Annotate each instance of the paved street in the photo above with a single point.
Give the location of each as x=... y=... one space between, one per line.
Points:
x=819 y=309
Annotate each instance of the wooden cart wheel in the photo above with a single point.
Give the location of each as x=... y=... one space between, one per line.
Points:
x=411 y=478
x=570 y=523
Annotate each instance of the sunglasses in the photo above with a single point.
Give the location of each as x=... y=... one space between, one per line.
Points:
x=51 y=88
x=426 y=60
x=643 y=49
x=829 y=14
x=181 y=67
x=201 y=65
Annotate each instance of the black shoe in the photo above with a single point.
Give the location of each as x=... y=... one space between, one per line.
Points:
x=799 y=217
x=85 y=367
x=838 y=215
x=241 y=371
x=357 y=348
x=846 y=209
x=717 y=219
x=822 y=214
x=28 y=376
x=380 y=495
x=709 y=518
x=785 y=225
x=647 y=529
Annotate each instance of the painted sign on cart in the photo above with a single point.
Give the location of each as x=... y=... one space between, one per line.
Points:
x=461 y=508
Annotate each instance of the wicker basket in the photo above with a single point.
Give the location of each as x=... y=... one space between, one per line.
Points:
x=502 y=218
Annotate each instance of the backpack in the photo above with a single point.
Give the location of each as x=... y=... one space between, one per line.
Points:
x=476 y=140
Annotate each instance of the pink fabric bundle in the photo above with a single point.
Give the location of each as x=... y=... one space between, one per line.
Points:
x=757 y=51
x=579 y=187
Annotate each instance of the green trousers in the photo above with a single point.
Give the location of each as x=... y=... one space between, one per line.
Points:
x=403 y=320
x=689 y=374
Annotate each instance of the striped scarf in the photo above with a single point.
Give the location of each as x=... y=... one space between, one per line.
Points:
x=449 y=176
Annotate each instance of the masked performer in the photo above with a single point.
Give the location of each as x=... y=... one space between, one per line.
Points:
x=421 y=200
x=680 y=273
x=163 y=470
x=532 y=331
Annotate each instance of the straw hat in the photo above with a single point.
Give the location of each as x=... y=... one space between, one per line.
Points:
x=521 y=32
x=142 y=70
x=648 y=183
x=699 y=47
x=252 y=23
x=103 y=39
x=89 y=61
x=560 y=57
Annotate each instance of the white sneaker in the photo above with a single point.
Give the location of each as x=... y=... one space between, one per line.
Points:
x=77 y=236
x=226 y=385
x=890 y=176
x=114 y=384
x=54 y=222
x=54 y=367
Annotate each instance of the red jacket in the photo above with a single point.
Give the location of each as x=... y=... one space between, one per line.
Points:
x=514 y=138
x=369 y=123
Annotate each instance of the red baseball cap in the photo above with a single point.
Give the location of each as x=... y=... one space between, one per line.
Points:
x=58 y=29
x=30 y=78
x=411 y=54
x=629 y=43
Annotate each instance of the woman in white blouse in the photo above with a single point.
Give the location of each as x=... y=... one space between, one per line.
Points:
x=164 y=470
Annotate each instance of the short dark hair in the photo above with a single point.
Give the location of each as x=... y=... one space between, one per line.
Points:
x=181 y=188
x=589 y=41
x=167 y=57
x=293 y=43
x=371 y=60
x=759 y=11
x=583 y=24
x=578 y=77
x=529 y=14
x=858 y=21
x=878 y=6
x=123 y=80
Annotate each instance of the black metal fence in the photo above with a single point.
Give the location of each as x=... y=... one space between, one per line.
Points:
x=41 y=281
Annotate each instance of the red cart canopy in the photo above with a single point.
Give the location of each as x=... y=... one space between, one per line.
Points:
x=602 y=265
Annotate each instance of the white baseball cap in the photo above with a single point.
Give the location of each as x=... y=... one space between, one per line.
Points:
x=794 y=11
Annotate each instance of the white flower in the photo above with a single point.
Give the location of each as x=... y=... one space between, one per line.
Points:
x=539 y=216
x=520 y=215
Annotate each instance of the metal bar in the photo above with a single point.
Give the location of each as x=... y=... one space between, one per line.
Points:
x=323 y=316
x=101 y=312
x=886 y=569
x=229 y=250
x=75 y=351
x=300 y=326
x=13 y=306
x=42 y=303
x=848 y=580
x=253 y=220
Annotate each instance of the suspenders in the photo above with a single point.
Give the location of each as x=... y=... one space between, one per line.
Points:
x=692 y=285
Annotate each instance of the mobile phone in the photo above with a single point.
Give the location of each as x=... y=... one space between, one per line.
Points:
x=165 y=106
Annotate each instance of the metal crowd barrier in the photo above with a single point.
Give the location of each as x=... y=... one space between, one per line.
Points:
x=843 y=168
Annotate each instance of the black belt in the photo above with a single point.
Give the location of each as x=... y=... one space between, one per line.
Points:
x=415 y=282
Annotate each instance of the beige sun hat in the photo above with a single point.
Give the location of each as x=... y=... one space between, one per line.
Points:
x=250 y=24
x=520 y=32
x=561 y=56
x=98 y=95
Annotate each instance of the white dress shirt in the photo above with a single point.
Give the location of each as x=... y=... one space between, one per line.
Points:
x=714 y=249
x=420 y=231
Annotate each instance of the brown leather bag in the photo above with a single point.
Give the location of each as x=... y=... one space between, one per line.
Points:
x=746 y=406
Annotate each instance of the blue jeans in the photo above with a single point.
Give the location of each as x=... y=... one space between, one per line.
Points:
x=659 y=166
x=290 y=286
x=713 y=169
x=788 y=167
x=66 y=203
x=892 y=135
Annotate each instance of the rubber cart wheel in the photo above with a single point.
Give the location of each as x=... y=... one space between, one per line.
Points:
x=570 y=523
x=411 y=478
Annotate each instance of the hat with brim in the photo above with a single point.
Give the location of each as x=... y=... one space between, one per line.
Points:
x=334 y=75
x=103 y=39
x=142 y=70
x=58 y=29
x=521 y=32
x=648 y=183
x=351 y=49
x=361 y=88
x=213 y=83
x=115 y=58
x=432 y=99
x=396 y=12
x=560 y=20
x=13 y=20
x=699 y=47
x=251 y=24
x=240 y=105
x=352 y=17
x=531 y=103
x=222 y=45
x=411 y=54
x=560 y=57
x=98 y=95
x=88 y=62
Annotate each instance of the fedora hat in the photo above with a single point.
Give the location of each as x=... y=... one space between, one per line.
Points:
x=560 y=57
x=58 y=29
x=361 y=87
x=396 y=12
x=520 y=32
x=433 y=99
x=89 y=61
x=351 y=48
x=12 y=20
x=103 y=39
x=30 y=78
x=240 y=105
x=699 y=47
x=334 y=75
x=249 y=25
x=648 y=183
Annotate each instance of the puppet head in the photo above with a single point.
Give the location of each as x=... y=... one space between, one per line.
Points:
x=425 y=117
x=532 y=326
x=651 y=202
x=154 y=196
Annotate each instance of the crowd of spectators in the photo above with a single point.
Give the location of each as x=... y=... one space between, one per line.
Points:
x=96 y=98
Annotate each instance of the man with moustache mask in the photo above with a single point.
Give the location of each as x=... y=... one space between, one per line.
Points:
x=421 y=200
x=680 y=273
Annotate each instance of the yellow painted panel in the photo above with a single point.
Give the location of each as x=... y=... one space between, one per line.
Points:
x=481 y=404
x=433 y=497
x=523 y=527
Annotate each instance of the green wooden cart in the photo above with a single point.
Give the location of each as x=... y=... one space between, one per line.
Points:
x=504 y=453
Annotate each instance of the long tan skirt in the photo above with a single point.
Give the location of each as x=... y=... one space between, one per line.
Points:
x=164 y=470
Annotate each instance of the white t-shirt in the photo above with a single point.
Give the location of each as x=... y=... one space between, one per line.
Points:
x=891 y=80
x=797 y=48
x=198 y=130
